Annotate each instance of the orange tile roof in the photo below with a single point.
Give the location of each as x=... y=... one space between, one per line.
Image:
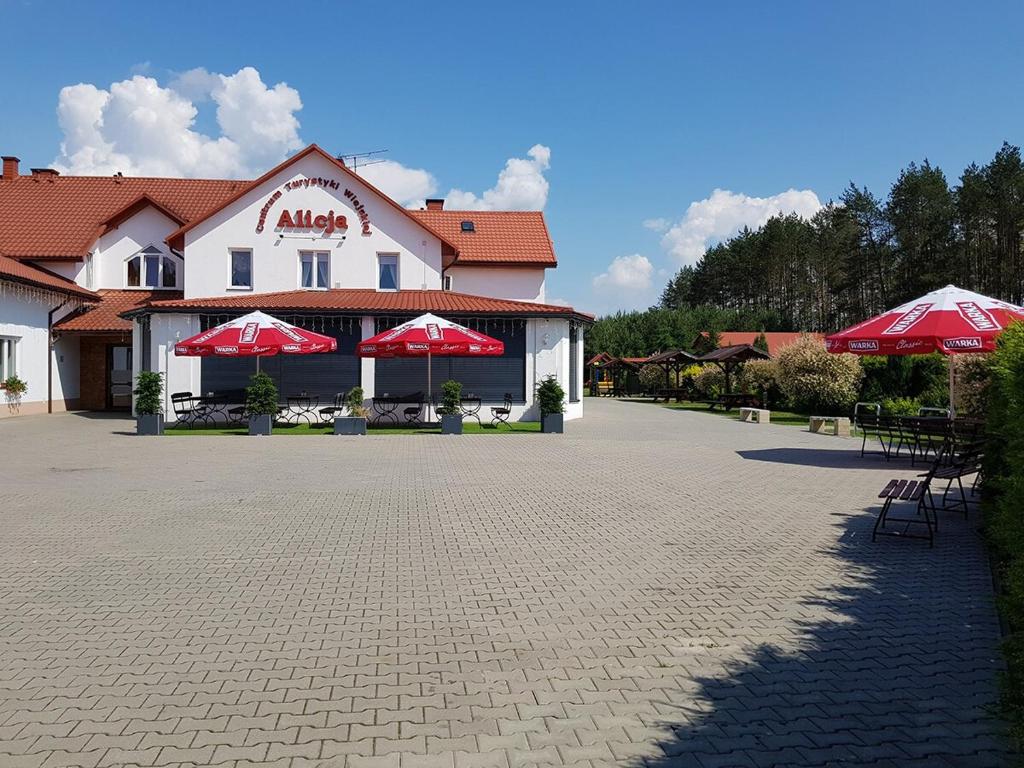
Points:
x=368 y=301
x=106 y=316
x=18 y=272
x=500 y=237
x=776 y=339
x=60 y=217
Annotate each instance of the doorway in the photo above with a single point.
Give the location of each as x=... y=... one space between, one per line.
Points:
x=119 y=377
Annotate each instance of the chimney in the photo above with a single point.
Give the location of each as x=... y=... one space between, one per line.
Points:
x=435 y=204
x=10 y=168
x=45 y=172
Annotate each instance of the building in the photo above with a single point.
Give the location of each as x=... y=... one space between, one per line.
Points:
x=100 y=276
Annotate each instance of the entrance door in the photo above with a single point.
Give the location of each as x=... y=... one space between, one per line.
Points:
x=119 y=377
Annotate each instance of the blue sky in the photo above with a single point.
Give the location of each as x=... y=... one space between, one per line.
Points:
x=646 y=108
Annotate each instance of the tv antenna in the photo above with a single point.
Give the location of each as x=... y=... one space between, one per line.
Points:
x=357 y=159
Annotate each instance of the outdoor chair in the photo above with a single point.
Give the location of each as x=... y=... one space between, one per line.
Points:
x=185 y=408
x=337 y=409
x=919 y=493
x=964 y=461
x=414 y=413
x=871 y=425
x=500 y=415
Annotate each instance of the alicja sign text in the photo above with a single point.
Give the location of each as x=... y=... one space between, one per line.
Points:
x=308 y=220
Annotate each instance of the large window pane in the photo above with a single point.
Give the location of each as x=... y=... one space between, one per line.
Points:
x=152 y=271
x=388 y=273
x=170 y=279
x=241 y=269
x=134 y=272
x=485 y=377
x=323 y=271
x=307 y=270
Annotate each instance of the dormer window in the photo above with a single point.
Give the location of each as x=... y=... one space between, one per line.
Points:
x=151 y=268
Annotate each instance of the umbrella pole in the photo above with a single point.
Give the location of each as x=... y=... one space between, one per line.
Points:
x=430 y=397
x=952 y=407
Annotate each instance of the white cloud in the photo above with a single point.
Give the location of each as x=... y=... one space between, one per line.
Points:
x=627 y=283
x=141 y=128
x=408 y=186
x=725 y=213
x=658 y=225
x=521 y=186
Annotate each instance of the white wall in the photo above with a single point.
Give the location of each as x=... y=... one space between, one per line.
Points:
x=25 y=319
x=276 y=259
x=147 y=227
x=519 y=283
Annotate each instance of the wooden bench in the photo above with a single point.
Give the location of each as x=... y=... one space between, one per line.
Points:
x=840 y=425
x=756 y=415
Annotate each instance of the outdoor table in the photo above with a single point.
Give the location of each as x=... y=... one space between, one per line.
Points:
x=470 y=407
x=385 y=408
x=301 y=407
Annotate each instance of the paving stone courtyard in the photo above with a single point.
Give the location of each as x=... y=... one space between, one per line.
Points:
x=654 y=588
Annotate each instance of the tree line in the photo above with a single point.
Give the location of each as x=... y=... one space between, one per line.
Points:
x=855 y=258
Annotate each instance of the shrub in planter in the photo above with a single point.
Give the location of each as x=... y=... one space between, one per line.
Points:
x=355 y=422
x=551 y=399
x=817 y=381
x=14 y=388
x=261 y=404
x=149 y=418
x=451 y=408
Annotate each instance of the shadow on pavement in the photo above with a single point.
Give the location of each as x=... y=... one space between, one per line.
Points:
x=898 y=665
x=830 y=459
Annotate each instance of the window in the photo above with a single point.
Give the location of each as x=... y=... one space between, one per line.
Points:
x=8 y=357
x=574 y=364
x=388 y=271
x=446 y=283
x=315 y=268
x=241 y=269
x=134 y=272
x=151 y=268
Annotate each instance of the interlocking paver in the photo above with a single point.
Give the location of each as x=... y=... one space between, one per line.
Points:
x=653 y=588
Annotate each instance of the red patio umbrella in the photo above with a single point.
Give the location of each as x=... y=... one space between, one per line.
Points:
x=255 y=335
x=429 y=336
x=949 y=320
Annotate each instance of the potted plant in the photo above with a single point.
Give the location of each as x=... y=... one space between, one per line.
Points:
x=149 y=418
x=451 y=408
x=551 y=398
x=261 y=404
x=13 y=388
x=355 y=422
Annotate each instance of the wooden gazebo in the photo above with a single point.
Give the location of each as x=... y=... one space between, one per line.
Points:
x=672 y=361
x=727 y=358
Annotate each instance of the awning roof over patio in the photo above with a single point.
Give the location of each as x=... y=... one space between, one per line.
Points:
x=673 y=357
x=364 y=301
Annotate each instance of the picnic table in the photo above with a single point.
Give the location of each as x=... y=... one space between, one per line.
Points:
x=667 y=393
x=731 y=400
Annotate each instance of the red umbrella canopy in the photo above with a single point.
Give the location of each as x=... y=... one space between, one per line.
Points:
x=430 y=335
x=255 y=334
x=949 y=320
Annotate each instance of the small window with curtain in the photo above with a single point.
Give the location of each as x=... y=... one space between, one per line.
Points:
x=241 y=268
x=315 y=269
x=151 y=268
x=8 y=357
x=388 y=270
x=133 y=278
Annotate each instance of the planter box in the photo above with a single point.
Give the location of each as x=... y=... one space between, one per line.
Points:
x=451 y=423
x=261 y=425
x=149 y=424
x=349 y=425
x=553 y=423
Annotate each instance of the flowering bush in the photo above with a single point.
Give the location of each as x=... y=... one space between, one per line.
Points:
x=709 y=383
x=652 y=377
x=901 y=406
x=817 y=381
x=761 y=377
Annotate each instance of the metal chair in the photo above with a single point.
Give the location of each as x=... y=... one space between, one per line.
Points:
x=414 y=413
x=500 y=415
x=330 y=411
x=916 y=491
x=185 y=410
